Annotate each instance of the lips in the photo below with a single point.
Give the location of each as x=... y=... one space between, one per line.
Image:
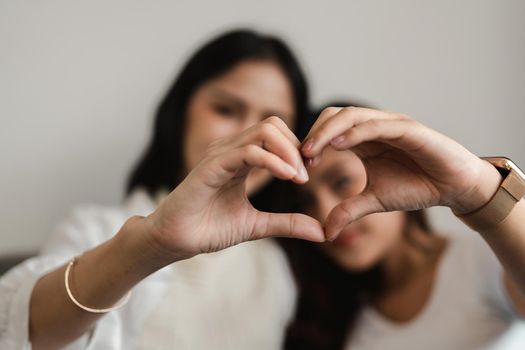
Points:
x=348 y=236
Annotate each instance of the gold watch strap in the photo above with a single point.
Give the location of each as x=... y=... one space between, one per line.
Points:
x=510 y=191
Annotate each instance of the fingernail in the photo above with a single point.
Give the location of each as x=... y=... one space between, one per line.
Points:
x=308 y=145
x=309 y=161
x=336 y=141
x=302 y=174
x=315 y=161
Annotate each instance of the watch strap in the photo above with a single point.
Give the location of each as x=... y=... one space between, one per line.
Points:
x=510 y=191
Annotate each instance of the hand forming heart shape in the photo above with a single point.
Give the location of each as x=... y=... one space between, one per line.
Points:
x=409 y=166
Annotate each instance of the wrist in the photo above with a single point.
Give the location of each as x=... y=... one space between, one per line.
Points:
x=489 y=180
x=138 y=246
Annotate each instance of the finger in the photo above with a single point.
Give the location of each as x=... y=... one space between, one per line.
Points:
x=369 y=149
x=288 y=225
x=247 y=136
x=327 y=113
x=345 y=119
x=285 y=130
x=351 y=210
x=253 y=156
x=406 y=135
x=273 y=139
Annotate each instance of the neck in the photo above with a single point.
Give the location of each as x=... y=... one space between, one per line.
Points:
x=418 y=252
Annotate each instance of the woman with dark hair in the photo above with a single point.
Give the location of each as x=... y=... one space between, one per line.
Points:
x=385 y=280
x=216 y=140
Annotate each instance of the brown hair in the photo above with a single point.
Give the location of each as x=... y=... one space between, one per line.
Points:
x=329 y=298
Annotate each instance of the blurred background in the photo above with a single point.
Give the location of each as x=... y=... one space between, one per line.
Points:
x=79 y=82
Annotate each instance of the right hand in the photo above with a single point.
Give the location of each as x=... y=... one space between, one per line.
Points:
x=210 y=210
x=409 y=166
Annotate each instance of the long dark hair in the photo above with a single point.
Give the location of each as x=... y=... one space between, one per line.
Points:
x=161 y=166
x=329 y=298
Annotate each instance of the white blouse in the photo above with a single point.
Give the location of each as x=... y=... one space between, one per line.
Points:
x=243 y=297
x=468 y=308
x=239 y=298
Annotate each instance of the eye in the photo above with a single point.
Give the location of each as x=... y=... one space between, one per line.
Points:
x=225 y=110
x=341 y=184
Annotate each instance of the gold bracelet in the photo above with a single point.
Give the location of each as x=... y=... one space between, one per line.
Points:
x=122 y=302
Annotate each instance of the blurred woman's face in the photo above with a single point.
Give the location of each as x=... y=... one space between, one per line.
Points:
x=246 y=94
x=366 y=242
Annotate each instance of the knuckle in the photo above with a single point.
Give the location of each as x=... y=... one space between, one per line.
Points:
x=349 y=109
x=274 y=120
x=267 y=130
x=402 y=116
x=350 y=114
x=251 y=149
x=412 y=123
x=292 y=224
x=331 y=110
x=375 y=123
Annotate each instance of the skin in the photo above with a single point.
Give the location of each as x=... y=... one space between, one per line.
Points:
x=229 y=105
x=364 y=242
x=376 y=239
x=425 y=168
x=229 y=134
x=407 y=166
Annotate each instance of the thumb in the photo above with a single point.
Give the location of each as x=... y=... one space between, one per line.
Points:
x=288 y=225
x=351 y=210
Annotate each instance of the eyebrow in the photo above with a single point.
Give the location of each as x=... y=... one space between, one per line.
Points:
x=230 y=97
x=218 y=92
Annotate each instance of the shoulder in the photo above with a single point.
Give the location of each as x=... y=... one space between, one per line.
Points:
x=479 y=271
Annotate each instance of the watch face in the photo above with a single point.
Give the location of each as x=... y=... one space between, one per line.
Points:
x=506 y=163
x=514 y=180
x=514 y=167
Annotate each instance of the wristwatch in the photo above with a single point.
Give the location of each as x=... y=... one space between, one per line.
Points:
x=510 y=191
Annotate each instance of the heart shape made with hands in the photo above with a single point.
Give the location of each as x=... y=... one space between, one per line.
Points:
x=407 y=166
x=378 y=182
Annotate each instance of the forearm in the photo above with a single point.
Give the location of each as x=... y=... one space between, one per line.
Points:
x=507 y=240
x=100 y=278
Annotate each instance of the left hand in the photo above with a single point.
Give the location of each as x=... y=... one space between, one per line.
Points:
x=409 y=166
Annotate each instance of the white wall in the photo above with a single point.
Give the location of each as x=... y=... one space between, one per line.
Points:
x=79 y=82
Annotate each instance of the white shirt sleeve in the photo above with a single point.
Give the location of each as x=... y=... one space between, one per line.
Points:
x=81 y=231
x=490 y=277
